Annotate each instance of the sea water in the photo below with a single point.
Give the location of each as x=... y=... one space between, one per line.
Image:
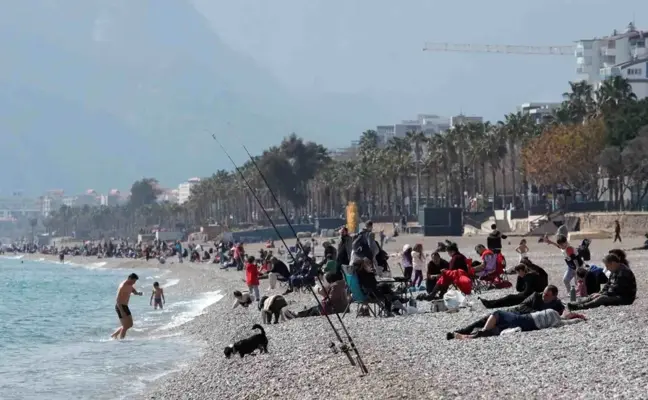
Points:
x=55 y=326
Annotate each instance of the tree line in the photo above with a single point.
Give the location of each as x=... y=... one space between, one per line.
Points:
x=596 y=133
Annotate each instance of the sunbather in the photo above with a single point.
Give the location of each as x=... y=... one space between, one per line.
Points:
x=502 y=320
x=530 y=282
x=546 y=300
x=334 y=299
x=621 y=288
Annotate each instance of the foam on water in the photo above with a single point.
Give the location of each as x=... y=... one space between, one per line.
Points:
x=194 y=308
x=42 y=358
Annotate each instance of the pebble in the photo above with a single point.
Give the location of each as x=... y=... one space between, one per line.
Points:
x=409 y=356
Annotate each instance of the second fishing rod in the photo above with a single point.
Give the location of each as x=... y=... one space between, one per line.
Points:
x=301 y=247
x=343 y=346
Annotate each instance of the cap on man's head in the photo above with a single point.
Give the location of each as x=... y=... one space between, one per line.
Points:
x=133 y=276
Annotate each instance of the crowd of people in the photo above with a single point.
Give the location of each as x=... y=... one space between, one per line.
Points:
x=534 y=305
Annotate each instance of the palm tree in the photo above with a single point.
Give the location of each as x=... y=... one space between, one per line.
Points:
x=417 y=140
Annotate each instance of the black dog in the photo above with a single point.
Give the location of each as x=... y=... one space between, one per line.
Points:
x=247 y=346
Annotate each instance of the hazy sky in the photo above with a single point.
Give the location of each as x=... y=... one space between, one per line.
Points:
x=373 y=47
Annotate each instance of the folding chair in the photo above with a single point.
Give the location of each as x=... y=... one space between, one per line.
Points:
x=357 y=296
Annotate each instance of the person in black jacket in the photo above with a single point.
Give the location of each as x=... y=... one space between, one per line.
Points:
x=434 y=268
x=494 y=240
x=542 y=275
x=621 y=288
x=548 y=299
x=344 y=249
x=592 y=277
x=530 y=282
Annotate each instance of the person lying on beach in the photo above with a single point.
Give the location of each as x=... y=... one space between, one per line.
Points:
x=543 y=277
x=500 y=321
x=530 y=282
x=546 y=300
x=126 y=288
x=621 y=288
x=242 y=299
x=334 y=295
x=644 y=247
x=158 y=295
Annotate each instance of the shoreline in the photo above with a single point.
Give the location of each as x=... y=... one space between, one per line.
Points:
x=405 y=355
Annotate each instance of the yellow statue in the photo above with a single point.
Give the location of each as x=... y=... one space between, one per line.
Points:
x=352 y=217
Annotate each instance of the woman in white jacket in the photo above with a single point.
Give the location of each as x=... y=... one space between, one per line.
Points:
x=419 y=264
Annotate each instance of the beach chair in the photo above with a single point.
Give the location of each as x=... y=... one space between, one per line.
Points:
x=357 y=296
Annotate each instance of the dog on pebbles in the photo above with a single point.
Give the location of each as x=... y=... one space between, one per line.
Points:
x=249 y=345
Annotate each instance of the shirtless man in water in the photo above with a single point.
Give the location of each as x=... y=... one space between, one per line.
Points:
x=123 y=312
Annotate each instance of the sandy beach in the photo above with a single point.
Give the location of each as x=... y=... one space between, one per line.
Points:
x=409 y=356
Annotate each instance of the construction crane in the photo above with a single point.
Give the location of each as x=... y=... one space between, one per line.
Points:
x=503 y=49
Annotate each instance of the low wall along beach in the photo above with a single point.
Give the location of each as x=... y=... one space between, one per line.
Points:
x=634 y=223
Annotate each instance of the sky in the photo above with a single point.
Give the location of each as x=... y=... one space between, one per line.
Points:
x=373 y=48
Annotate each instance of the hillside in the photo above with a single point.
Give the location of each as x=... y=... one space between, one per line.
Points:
x=99 y=93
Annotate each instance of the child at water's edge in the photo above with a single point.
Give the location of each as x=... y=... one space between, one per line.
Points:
x=522 y=249
x=158 y=295
x=252 y=277
x=242 y=299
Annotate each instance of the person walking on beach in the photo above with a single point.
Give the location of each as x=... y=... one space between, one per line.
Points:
x=123 y=312
x=158 y=294
x=617 y=231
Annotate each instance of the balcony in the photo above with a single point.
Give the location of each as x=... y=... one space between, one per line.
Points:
x=608 y=51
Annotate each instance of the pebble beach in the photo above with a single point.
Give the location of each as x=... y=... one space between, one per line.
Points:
x=409 y=356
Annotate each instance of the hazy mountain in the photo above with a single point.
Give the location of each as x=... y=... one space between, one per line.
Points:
x=97 y=93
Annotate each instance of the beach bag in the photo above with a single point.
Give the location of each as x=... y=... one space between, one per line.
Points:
x=453 y=300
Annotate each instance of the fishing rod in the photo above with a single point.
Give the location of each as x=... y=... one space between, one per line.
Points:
x=343 y=346
x=348 y=335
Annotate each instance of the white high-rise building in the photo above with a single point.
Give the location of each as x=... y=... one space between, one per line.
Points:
x=426 y=123
x=184 y=189
x=622 y=54
x=540 y=112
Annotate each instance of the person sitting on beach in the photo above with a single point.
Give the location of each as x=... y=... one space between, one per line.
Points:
x=546 y=300
x=456 y=275
x=158 y=295
x=623 y=258
x=457 y=260
x=500 y=321
x=589 y=280
x=278 y=269
x=488 y=266
x=380 y=292
x=621 y=288
x=530 y=282
x=543 y=277
x=434 y=268
x=335 y=299
x=242 y=299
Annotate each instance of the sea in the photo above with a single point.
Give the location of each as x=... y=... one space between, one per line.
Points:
x=55 y=326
